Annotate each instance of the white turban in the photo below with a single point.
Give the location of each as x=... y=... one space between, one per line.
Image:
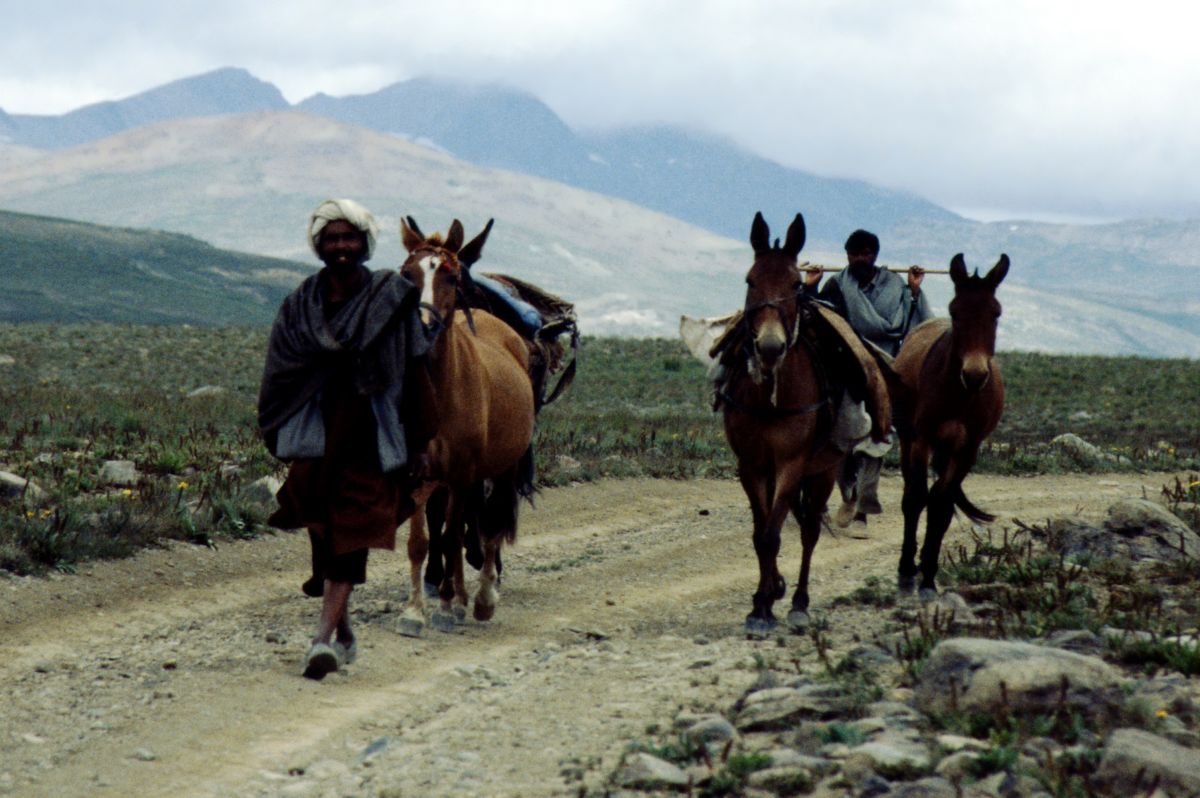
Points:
x=333 y=210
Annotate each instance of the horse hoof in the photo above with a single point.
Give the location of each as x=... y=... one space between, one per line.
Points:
x=906 y=585
x=798 y=621
x=928 y=594
x=444 y=622
x=460 y=613
x=759 y=627
x=411 y=627
x=431 y=590
x=483 y=612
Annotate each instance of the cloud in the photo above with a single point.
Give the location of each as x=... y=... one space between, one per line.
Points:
x=1014 y=105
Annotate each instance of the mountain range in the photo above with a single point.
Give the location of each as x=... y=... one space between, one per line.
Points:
x=637 y=224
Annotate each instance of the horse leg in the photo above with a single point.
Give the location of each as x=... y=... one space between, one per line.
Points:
x=941 y=510
x=435 y=517
x=809 y=508
x=914 y=465
x=771 y=585
x=452 y=591
x=498 y=523
x=412 y=621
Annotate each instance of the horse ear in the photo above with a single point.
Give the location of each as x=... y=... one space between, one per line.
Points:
x=473 y=250
x=795 y=237
x=998 y=272
x=760 y=234
x=454 y=237
x=410 y=234
x=958 y=269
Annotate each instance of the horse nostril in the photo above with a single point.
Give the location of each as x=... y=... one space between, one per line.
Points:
x=769 y=348
x=975 y=380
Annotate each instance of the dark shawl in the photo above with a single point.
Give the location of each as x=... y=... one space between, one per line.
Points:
x=379 y=327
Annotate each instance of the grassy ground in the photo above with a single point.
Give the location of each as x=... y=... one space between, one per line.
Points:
x=74 y=396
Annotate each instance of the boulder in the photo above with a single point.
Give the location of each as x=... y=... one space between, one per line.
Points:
x=642 y=771
x=978 y=675
x=119 y=473
x=1152 y=531
x=15 y=487
x=1134 y=759
x=1078 y=449
x=262 y=491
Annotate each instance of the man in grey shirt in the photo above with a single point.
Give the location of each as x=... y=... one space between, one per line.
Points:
x=882 y=308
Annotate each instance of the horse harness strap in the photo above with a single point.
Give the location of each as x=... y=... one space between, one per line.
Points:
x=799 y=332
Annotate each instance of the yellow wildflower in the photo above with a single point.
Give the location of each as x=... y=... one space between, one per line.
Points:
x=1162 y=713
x=127 y=492
x=29 y=513
x=183 y=484
x=47 y=513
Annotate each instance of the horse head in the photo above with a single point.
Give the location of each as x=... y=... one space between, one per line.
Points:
x=440 y=267
x=772 y=288
x=974 y=316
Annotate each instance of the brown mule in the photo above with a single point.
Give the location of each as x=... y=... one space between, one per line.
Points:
x=480 y=372
x=776 y=421
x=949 y=398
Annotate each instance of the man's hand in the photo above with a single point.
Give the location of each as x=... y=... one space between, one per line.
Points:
x=915 y=275
x=812 y=276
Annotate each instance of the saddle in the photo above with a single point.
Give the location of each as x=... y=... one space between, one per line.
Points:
x=847 y=368
x=546 y=322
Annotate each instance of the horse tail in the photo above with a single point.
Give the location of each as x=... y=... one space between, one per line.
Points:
x=971 y=511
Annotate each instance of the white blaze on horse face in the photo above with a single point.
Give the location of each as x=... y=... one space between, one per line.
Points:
x=428 y=266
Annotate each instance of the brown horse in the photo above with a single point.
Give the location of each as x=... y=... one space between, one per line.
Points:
x=480 y=372
x=773 y=410
x=949 y=399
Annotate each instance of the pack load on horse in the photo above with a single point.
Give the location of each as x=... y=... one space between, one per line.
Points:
x=548 y=325
x=784 y=368
x=948 y=396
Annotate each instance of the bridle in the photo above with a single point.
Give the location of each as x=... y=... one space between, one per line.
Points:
x=792 y=335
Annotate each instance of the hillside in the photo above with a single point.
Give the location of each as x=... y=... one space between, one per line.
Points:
x=247 y=183
x=65 y=271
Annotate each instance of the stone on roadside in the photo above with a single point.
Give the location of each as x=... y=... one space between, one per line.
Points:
x=1153 y=530
x=980 y=675
x=645 y=772
x=1134 y=758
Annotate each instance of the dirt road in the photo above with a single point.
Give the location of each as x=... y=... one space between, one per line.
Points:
x=178 y=672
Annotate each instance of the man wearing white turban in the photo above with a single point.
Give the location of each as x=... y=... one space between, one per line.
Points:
x=346 y=399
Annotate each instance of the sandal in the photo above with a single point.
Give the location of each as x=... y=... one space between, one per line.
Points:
x=347 y=653
x=320 y=660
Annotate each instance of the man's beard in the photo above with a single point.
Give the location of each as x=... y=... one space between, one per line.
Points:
x=861 y=271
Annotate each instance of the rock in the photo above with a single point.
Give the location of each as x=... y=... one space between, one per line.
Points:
x=645 y=772
x=144 y=755
x=7 y=360
x=13 y=487
x=119 y=473
x=206 y=391
x=1134 y=758
x=1078 y=449
x=568 y=463
x=1153 y=531
x=782 y=780
x=933 y=787
x=712 y=729
x=262 y=491
x=895 y=756
x=958 y=765
x=779 y=707
x=978 y=675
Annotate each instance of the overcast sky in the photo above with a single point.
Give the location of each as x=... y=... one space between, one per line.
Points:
x=1045 y=109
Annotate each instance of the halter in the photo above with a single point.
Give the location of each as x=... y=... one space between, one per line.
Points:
x=792 y=335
